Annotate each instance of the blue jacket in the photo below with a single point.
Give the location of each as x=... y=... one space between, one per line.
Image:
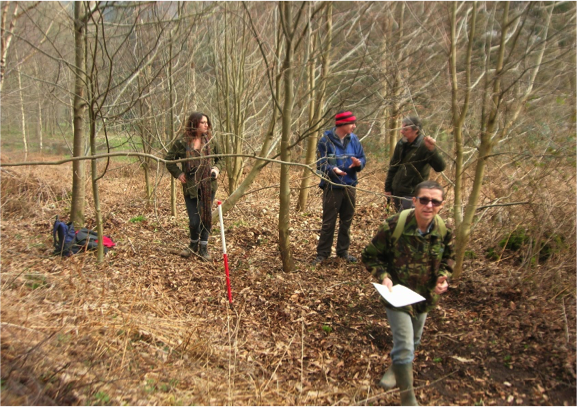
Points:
x=331 y=153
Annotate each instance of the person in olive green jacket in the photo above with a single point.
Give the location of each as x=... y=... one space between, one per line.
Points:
x=411 y=163
x=198 y=178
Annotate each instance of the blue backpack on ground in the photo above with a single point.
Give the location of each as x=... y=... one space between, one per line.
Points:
x=86 y=239
x=64 y=236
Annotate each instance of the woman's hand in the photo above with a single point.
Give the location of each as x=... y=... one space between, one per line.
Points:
x=182 y=178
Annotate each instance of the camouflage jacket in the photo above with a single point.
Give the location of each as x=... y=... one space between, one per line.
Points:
x=178 y=151
x=415 y=261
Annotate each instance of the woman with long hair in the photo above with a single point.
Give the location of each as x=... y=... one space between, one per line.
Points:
x=198 y=178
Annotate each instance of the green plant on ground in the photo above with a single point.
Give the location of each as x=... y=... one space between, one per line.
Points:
x=542 y=250
x=36 y=281
x=101 y=398
x=150 y=386
x=492 y=254
x=327 y=329
x=516 y=240
x=138 y=218
x=469 y=254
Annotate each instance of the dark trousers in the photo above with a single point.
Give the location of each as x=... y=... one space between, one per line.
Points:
x=341 y=203
x=401 y=204
x=194 y=222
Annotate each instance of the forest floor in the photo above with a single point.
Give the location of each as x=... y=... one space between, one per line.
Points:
x=147 y=327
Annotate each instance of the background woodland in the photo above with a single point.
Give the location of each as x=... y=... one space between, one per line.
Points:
x=493 y=82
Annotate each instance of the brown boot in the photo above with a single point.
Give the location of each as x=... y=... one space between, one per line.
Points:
x=192 y=248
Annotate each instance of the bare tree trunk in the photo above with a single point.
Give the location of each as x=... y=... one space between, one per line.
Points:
x=268 y=139
x=144 y=130
x=22 y=110
x=573 y=76
x=6 y=37
x=78 y=167
x=385 y=87
x=231 y=81
x=39 y=132
x=171 y=125
x=95 y=192
x=464 y=231
x=192 y=86
x=255 y=170
x=284 y=210
x=311 y=141
x=395 y=94
x=459 y=115
x=315 y=112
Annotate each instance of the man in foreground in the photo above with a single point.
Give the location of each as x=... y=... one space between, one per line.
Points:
x=341 y=157
x=411 y=163
x=420 y=258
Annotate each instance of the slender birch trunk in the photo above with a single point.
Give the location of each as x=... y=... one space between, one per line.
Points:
x=22 y=110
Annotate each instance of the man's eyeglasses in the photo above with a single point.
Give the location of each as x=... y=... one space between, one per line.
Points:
x=425 y=201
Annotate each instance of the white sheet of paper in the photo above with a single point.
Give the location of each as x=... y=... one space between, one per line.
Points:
x=400 y=296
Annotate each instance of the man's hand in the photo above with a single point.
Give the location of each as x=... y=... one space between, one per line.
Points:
x=356 y=162
x=182 y=178
x=388 y=283
x=442 y=285
x=339 y=172
x=430 y=143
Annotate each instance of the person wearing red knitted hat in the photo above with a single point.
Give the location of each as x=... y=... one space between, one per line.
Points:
x=340 y=157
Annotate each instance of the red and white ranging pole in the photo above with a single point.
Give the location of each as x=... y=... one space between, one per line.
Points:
x=224 y=255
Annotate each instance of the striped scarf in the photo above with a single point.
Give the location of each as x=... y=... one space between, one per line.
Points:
x=201 y=177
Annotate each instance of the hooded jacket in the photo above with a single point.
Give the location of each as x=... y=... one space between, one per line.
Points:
x=332 y=152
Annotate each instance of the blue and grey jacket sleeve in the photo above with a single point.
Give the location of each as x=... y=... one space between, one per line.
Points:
x=360 y=154
x=322 y=155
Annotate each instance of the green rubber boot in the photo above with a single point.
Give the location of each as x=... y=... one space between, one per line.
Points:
x=404 y=377
x=388 y=380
